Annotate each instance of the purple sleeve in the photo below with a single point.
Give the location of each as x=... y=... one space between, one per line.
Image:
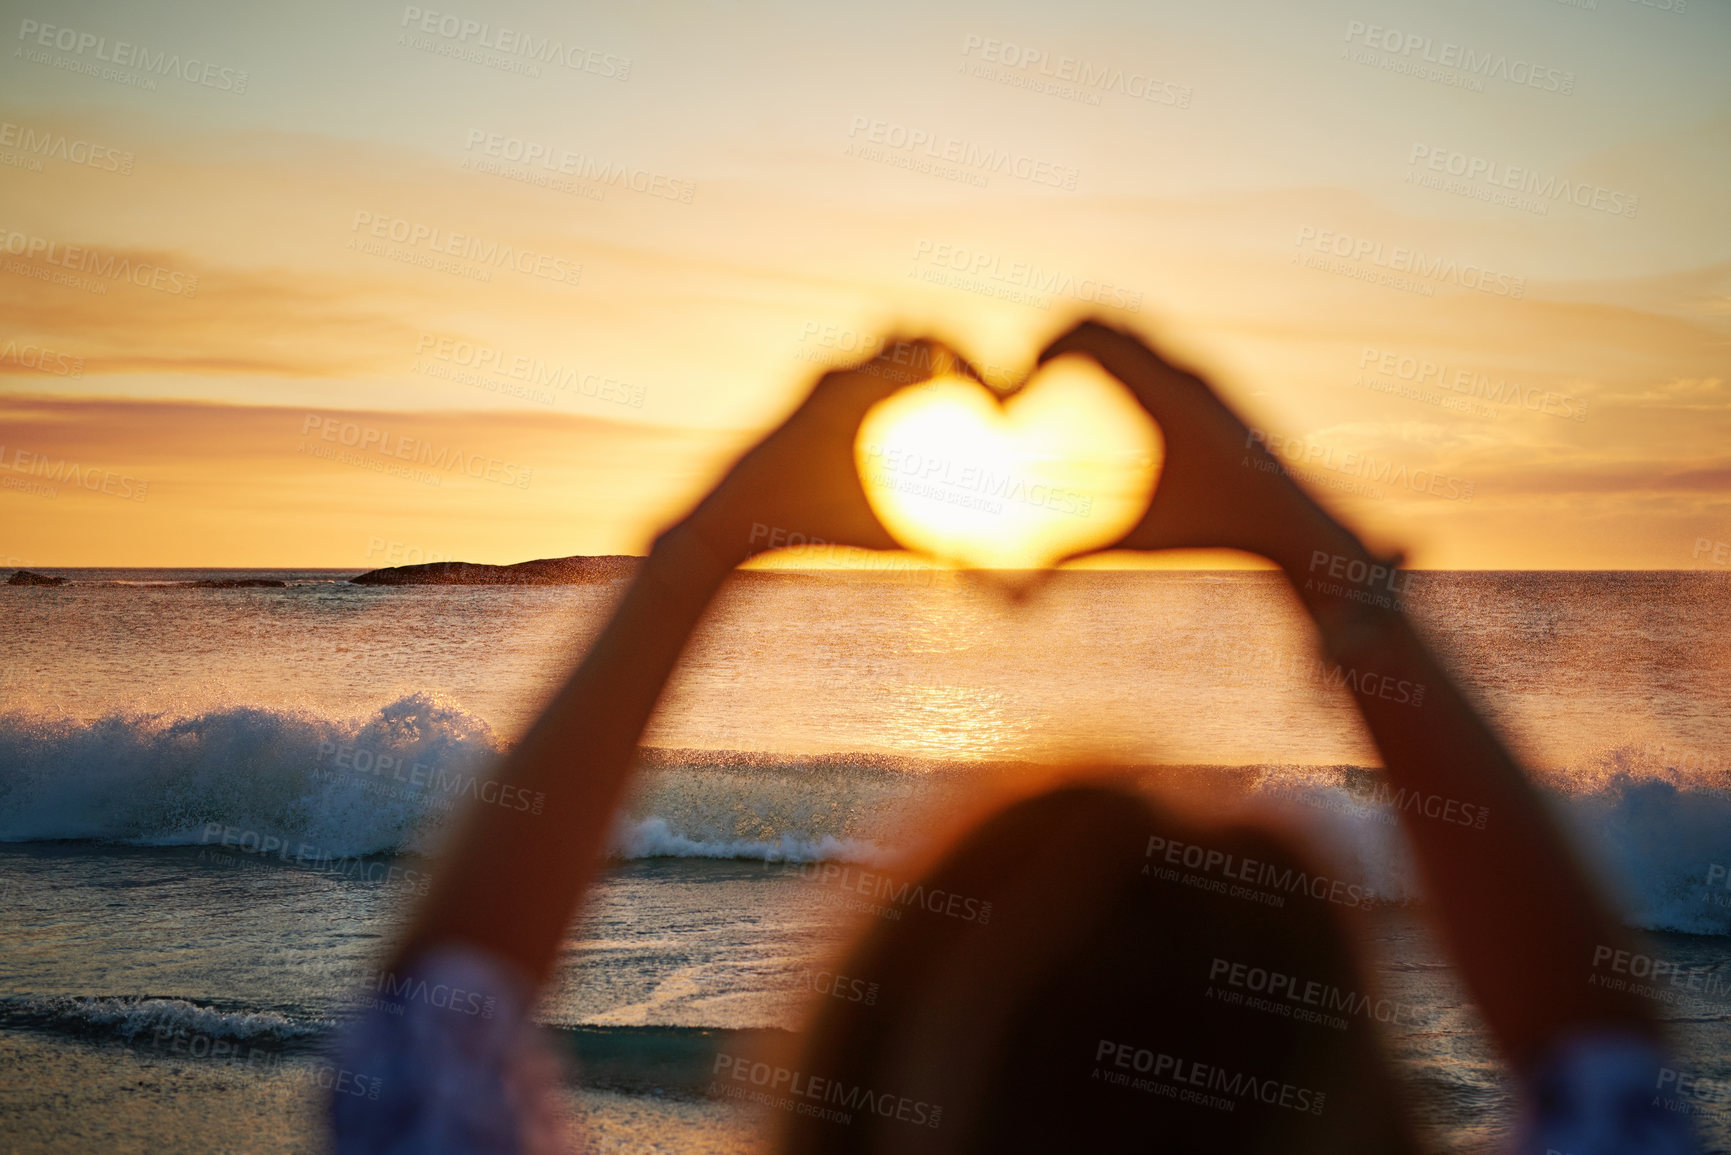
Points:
x=1612 y=1095
x=455 y=1064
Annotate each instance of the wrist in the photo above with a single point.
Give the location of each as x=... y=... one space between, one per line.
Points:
x=1355 y=598
x=710 y=537
x=1338 y=577
x=1352 y=633
x=1321 y=572
x=1317 y=560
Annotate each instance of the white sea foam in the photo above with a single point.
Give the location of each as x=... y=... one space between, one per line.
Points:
x=157 y=780
x=387 y=784
x=652 y=837
x=136 y=1019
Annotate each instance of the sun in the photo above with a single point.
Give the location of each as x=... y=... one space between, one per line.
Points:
x=1065 y=466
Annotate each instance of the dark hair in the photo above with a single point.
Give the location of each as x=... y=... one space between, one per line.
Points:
x=1082 y=1012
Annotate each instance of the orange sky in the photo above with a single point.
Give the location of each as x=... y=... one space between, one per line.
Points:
x=214 y=276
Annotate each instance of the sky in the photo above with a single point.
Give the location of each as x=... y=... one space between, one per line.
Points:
x=354 y=284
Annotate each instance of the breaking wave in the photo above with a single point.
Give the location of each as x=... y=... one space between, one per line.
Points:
x=388 y=783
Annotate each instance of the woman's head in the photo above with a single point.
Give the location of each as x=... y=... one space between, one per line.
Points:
x=1126 y=975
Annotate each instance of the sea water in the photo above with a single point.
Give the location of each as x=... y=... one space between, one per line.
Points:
x=217 y=804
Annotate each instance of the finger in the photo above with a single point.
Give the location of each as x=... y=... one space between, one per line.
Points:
x=1120 y=351
x=1083 y=337
x=1122 y=355
x=830 y=420
x=960 y=366
x=913 y=359
x=1185 y=406
x=1140 y=369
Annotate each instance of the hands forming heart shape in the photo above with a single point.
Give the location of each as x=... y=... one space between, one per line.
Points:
x=1055 y=466
x=1060 y=464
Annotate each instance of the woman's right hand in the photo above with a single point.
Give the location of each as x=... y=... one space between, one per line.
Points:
x=1219 y=488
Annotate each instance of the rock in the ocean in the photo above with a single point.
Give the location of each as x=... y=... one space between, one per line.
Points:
x=547 y=571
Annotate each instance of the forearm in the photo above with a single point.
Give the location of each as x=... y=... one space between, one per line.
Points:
x=512 y=879
x=1522 y=917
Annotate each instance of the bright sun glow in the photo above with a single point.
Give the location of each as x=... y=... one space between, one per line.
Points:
x=1066 y=465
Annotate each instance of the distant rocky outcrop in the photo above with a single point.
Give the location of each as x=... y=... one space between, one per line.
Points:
x=547 y=571
x=25 y=578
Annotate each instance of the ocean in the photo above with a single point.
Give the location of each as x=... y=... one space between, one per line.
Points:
x=217 y=803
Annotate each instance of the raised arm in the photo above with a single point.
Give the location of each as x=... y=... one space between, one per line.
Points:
x=446 y=1059
x=512 y=879
x=1518 y=912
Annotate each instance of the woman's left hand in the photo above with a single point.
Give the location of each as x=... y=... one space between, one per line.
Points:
x=800 y=484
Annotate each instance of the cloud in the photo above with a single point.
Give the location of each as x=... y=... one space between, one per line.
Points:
x=234 y=322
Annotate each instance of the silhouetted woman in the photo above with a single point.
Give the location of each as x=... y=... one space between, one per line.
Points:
x=1109 y=1002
